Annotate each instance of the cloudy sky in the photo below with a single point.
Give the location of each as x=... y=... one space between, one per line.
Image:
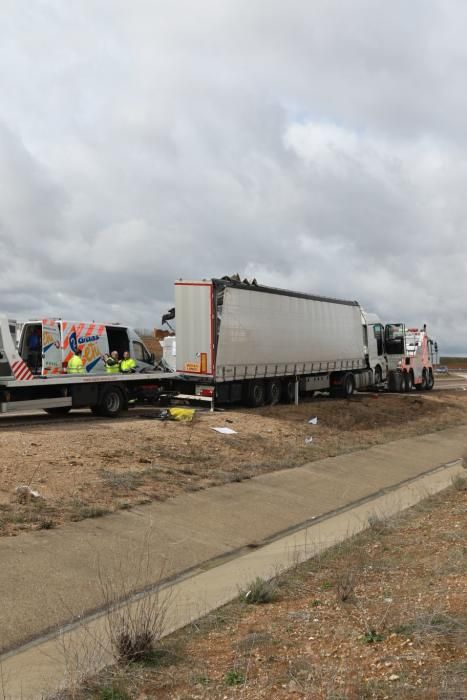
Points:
x=318 y=145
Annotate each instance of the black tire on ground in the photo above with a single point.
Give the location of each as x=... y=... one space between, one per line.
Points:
x=394 y=381
x=408 y=382
x=348 y=385
x=288 y=391
x=111 y=403
x=378 y=375
x=422 y=385
x=403 y=387
x=430 y=380
x=273 y=392
x=397 y=381
x=58 y=410
x=256 y=393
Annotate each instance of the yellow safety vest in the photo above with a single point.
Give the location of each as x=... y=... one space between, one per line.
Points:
x=111 y=366
x=75 y=365
x=128 y=365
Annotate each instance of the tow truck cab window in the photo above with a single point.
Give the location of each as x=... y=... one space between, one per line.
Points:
x=395 y=339
x=140 y=353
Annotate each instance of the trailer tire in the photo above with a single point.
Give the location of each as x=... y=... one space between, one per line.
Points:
x=348 y=385
x=430 y=381
x=273 y=392
x=256 y=393
x=288 y=391
x=111 y=403
x=58 y=410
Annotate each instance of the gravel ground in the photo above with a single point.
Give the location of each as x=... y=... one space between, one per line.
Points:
x=87 y=469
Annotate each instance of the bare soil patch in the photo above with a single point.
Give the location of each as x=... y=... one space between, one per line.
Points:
x=89 y=469
x=381 y=616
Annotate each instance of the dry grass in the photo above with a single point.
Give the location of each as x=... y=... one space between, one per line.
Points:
x=375 y=617
x=141 y=460
x=260 y=591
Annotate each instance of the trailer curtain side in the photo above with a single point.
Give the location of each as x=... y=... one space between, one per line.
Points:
x=246 y=332
x=278 y=334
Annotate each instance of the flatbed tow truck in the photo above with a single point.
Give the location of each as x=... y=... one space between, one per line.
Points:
x=105 y=394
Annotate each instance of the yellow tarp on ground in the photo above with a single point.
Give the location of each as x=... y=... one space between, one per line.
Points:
x=182 y=414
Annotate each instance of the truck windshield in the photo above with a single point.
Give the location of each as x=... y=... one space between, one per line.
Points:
x=394 y=339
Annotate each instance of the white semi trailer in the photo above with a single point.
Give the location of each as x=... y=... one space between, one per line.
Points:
x=244 y=342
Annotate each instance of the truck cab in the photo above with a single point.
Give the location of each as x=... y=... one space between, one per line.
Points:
x=373 y=341
x=410 y=357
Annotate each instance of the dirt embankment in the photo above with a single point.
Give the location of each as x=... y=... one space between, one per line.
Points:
x=89 y=469
x=380 y=616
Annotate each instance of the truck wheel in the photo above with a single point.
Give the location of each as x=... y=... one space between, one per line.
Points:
x=394 y=381
x=430 y=382
x=408 y=382
x=422 y=385
x=58 y=410
x=403 y=385
x=256 y=394
x=273 y=392
x=348 y=385
x=111 y=402
x=288 y=391
x=378 y=375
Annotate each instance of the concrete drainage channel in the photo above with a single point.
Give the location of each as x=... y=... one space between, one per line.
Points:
x=59 y=660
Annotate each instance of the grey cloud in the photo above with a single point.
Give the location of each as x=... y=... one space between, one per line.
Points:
x=317 y=146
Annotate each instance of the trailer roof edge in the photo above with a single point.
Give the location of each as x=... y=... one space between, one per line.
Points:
x=281 y=292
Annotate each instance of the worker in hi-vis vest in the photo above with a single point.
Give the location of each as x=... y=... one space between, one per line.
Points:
x=127 y=365
x=112 y=363
x=75 y=364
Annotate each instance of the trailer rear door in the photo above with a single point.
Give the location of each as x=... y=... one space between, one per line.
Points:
x=51 y=351
x=195 y=327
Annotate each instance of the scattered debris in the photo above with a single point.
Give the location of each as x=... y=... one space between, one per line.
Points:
x=313 y=421
x=225 y=431
x=309 y=440
x=181 y=414
x=25 y=494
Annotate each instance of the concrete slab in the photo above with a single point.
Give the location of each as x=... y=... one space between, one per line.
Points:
x=52 y=577
x=63 y=660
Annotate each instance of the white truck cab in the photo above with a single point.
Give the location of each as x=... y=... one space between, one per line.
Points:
x=373 y=339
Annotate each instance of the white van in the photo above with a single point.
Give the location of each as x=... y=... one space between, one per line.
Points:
x=47 y=345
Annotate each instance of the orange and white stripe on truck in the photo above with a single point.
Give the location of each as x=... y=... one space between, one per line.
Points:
x=20 y=370
x=87 y=336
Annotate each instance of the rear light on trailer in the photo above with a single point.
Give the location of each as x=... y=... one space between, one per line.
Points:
x=207 y=391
